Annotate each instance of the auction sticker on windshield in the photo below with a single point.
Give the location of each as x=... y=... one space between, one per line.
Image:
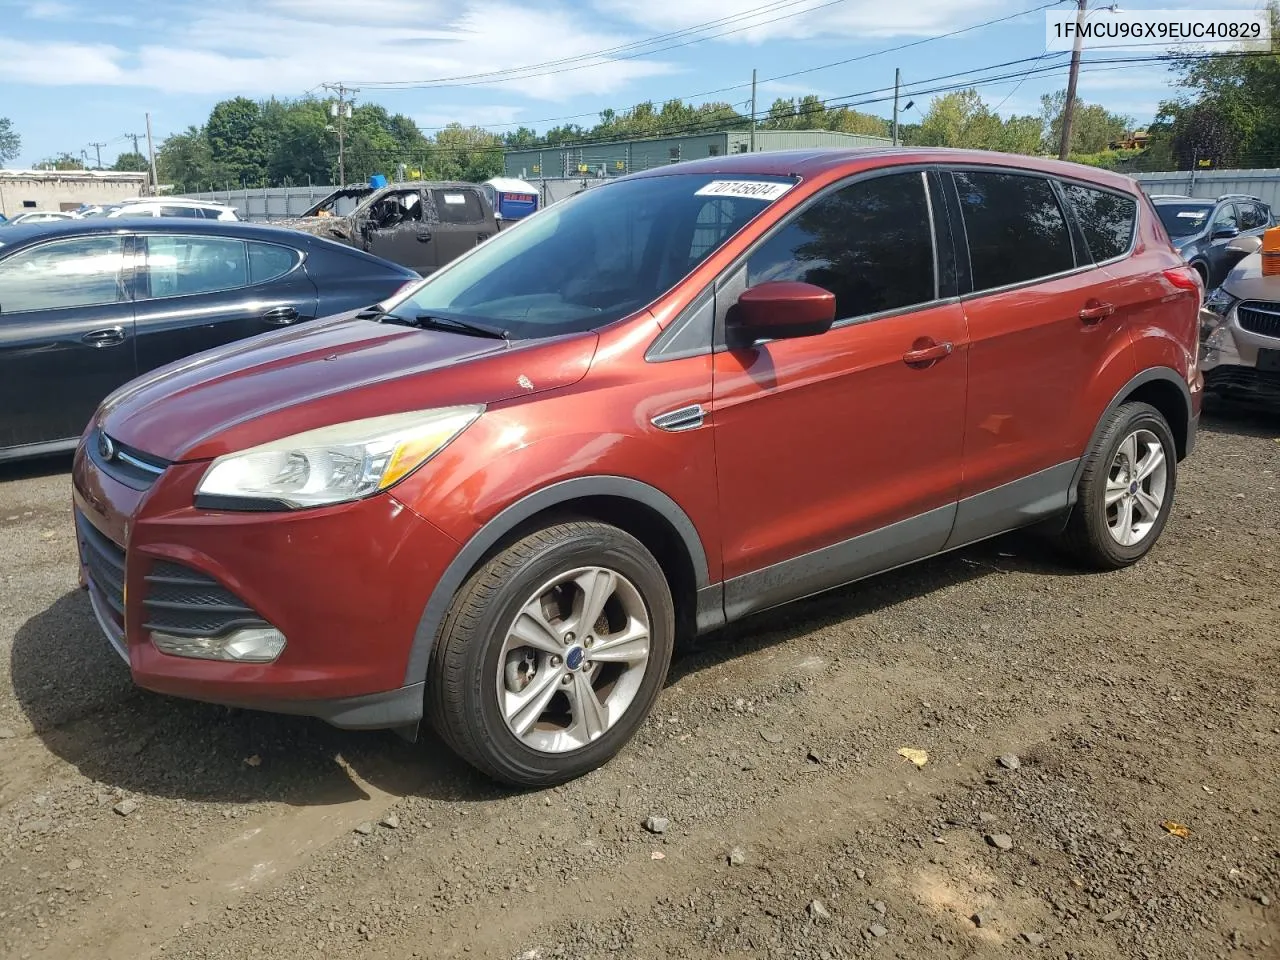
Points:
x=746 y=189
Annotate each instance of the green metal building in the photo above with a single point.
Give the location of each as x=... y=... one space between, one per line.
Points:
x=630 y=156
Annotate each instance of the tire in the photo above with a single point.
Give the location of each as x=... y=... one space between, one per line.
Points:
x=1095 y=533
x=480 y=667
x=1203 y=270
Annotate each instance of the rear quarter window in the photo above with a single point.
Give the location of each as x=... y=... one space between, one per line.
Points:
x=1106 y=219
x=267 y=261
x=458 y=206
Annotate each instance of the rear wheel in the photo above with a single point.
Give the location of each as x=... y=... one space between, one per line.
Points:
x=1126 y=489
x=552 y=654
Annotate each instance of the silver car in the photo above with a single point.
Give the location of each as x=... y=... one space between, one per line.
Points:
x=1240 y=332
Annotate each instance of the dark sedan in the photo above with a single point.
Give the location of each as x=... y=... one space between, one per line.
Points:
x=88 y=305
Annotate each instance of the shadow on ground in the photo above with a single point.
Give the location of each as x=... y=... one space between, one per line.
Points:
x=47 y=466
x=81 y=702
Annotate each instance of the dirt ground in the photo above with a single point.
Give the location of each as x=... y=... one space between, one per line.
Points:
x=795 y=828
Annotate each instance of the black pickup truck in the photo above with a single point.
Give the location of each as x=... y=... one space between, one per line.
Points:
x=421 y=225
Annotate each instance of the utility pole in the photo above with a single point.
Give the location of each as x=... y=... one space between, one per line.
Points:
x=1069 y=108
x=97 y=148
x=151 y=150
x=135 y=137
x=340 y=110
x=753 y=110
x=897 y=84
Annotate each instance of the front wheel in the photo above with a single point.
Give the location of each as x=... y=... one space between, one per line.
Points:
x=552 y=654
x=1126 y=489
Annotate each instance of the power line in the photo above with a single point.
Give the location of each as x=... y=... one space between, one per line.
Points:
x=794 y=73
x=607 y=55
x=499 y=76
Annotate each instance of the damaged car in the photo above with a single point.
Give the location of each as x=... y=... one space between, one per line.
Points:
x=1240 y=326
x=421 y=225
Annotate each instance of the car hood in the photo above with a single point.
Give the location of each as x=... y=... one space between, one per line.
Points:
x=1246 y=282
x=324 y=372
x=331 y=228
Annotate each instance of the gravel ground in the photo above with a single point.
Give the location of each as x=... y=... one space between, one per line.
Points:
x=1066 y=718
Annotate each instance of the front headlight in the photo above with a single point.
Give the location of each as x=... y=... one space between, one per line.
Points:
x=1219 y=302
x=332 y=464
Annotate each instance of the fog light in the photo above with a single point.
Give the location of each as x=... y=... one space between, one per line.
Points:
x=249 y=645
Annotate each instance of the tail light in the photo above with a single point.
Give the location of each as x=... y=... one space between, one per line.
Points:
x=1185 y=278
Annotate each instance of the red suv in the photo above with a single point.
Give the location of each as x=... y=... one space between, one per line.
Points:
x=664 y=404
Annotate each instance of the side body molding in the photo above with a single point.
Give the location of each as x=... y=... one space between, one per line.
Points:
x=710 y=609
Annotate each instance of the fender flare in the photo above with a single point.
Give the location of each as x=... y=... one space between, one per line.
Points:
x=1146 y=376
x=565 y=491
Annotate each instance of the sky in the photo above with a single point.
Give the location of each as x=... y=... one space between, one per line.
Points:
x=76 y=72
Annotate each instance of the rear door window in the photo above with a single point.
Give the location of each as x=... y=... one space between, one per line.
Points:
x=1106 y=219
x=182 y=266
x=1015 y=228
x=458 y=206
x=870 y=244
x=68 y=273
x=1252 y=216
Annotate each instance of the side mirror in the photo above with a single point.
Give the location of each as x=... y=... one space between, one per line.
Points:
x=780 y=310
x=1245 y=246
x=1225 y=233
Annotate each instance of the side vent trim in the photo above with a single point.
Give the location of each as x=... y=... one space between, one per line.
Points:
x=677 y=421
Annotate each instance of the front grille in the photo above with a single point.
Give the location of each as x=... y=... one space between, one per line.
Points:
x=1259 y=317
x=187 y=603
x=104 y=562
x=125 y=465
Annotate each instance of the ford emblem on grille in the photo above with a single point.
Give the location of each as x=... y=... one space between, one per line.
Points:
x=106 y=447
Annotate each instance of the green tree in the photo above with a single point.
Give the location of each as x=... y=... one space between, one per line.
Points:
x=10 y=142
x=63 y=161
x=131 y=162
x=1093 y=127
x=522 y=137
x=465 y=153
x=236 y=138
x=1235 y=99
x=184 y=160
x=962 y=119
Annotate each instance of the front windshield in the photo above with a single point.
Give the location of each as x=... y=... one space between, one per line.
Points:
x=596 y=257
x=1184 y=219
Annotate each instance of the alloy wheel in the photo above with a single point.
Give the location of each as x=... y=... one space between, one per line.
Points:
x=573 y=659
x=1136 y=486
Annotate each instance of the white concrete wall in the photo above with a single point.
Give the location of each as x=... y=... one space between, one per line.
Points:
x=63 y=191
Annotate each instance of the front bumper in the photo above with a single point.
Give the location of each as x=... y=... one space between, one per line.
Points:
x=1231 y=358
x=346 y=585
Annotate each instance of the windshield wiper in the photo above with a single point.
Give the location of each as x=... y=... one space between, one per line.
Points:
x=432 y=322
x=376 y=312
x=427 y=321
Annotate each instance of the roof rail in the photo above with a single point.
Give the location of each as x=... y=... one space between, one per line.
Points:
x=1240 y=196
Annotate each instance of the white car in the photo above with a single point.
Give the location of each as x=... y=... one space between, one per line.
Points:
x=171 y=207
x=40 y=216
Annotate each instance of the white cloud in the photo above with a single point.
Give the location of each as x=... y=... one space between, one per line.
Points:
x=283 y=47
x=854 y=18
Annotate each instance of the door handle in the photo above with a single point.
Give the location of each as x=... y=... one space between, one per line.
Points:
x=424 y=236
x=929 y=354
x=1094 y=311
x=281 y=316
x=107 y=337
